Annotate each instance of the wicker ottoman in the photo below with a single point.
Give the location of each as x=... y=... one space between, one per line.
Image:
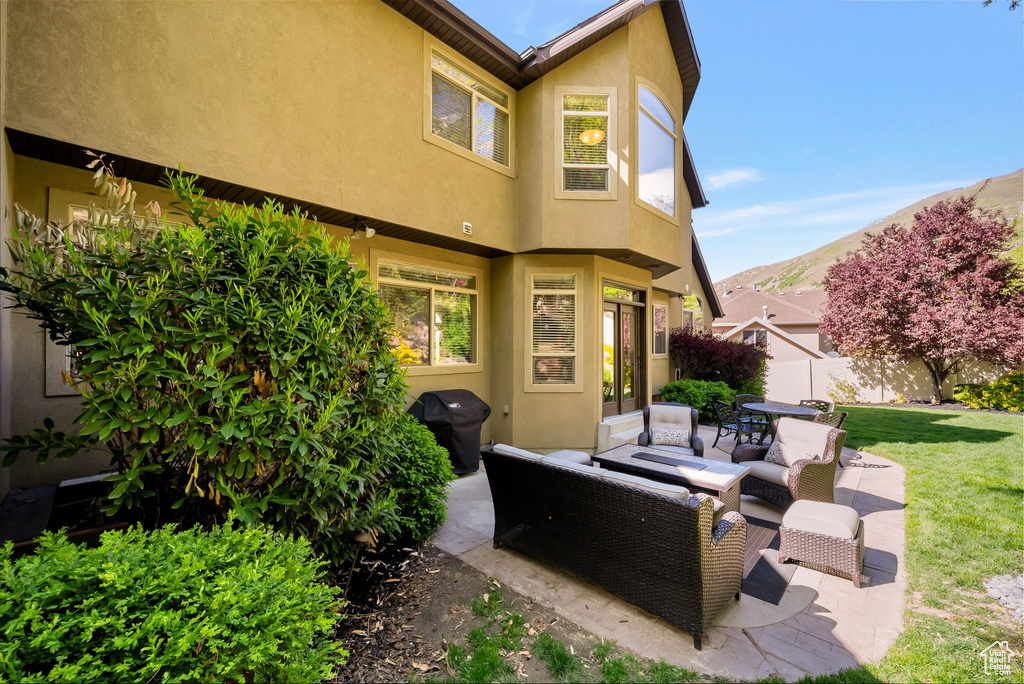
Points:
x=823 y=535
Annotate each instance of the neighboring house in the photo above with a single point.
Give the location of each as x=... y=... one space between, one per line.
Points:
x=529 y=213
x=787 y=322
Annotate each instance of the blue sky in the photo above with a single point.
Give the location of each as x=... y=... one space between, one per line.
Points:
x=814 y=118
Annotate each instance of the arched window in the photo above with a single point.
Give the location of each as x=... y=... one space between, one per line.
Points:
x=656 y=163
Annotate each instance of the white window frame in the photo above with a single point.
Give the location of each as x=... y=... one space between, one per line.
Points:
x=430 y=366
x=654 y=330
x=529 y=385
x=429 y=47
x=753 y=336
x=676 y=149
x=612 y=165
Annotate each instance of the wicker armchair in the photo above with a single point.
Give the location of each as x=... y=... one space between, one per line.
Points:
x=673 y=415
x=819 y=404
x=729 y=424
x=805 y=479
x=660 y=552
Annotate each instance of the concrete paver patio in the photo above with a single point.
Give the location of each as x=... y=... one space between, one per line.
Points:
x=822 y=624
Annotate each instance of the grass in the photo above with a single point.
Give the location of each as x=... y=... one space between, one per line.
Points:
x=965 y=524
x=499 y=635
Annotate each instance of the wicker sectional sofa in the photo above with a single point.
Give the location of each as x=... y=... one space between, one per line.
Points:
x=654 y=545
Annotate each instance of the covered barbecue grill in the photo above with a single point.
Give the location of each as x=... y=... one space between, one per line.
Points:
x=455 y=417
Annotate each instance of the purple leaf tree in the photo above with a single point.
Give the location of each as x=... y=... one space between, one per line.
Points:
x=938 y=291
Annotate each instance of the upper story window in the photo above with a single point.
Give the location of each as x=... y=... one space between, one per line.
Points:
x=433 y=312
x=758 y=337
x=656 y=162
x=467 y=112
x=586 y=154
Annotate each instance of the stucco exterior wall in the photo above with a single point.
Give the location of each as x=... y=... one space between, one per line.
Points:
x=248 y=92
x=550 y=223
x=651 y=63
x=37 y=184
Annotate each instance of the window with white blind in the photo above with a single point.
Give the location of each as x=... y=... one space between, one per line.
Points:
x=553 y=299
x=468 y=112
x=660 y=341
x=587 y=143
x=656 y=153
x=433 y=313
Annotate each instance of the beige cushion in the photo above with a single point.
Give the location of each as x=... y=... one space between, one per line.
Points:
x=670 y=436
x=674 y=491
x=788 y=454
x=574 y=456
x=803 y=435
x=822 y=518
x=719 y=510
x=512 y=451
x=669 y=417
x=570 y=465
x=769 y=472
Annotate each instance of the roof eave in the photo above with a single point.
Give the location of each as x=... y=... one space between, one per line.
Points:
x=704 y=277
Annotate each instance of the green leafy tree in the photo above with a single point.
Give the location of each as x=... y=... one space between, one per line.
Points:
x=236 y=361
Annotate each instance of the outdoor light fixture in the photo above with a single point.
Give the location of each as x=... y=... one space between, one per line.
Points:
x=361 y=226
x=591 y=136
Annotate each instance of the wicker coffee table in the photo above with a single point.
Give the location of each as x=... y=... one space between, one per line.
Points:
x=717 y=478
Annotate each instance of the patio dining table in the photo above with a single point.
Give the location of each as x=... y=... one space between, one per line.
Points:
x=777 y=408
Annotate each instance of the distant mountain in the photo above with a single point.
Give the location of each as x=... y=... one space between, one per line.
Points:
x=806 y=271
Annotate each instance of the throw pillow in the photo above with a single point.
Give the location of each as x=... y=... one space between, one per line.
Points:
x=783 y=455
x=670 y=437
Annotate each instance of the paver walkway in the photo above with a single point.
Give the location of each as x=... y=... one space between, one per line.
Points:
x=822 y=625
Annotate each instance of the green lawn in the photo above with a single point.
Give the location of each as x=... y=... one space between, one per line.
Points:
x=965 y=524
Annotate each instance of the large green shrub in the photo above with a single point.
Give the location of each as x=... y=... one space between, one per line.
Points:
x=238 y=363
x=698 y=394
x=1006 y=393
x=421 y=478
x=242 y=605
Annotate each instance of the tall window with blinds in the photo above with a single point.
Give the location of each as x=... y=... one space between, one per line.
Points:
x=433 y=313
x=587 y=140
x=467 y=112
x=553 y=299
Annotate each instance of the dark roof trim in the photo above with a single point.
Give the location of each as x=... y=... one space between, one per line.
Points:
x=444 y=21
x=139 y=171
x=705 y=280
x=693 y=186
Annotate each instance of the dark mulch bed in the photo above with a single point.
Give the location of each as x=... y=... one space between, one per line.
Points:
x=408 y=604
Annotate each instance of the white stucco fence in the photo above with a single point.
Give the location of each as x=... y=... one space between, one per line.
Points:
x=874 y=381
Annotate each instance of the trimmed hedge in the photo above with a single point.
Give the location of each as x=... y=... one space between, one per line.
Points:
x=699 y=394
x=1006 y=393
x=243 y=605
x=420 y=481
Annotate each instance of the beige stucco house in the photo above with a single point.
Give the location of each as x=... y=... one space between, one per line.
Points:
x=787 y=322
x=540 y=201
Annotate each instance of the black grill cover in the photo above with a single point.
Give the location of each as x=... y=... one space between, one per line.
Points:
x=455 y=417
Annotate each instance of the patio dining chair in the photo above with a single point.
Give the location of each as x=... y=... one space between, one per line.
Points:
x=833 y=418
x=819 y=404
x=729 y=424
x=750 y=416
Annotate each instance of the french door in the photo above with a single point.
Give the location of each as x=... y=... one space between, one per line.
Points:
x=622 y=328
